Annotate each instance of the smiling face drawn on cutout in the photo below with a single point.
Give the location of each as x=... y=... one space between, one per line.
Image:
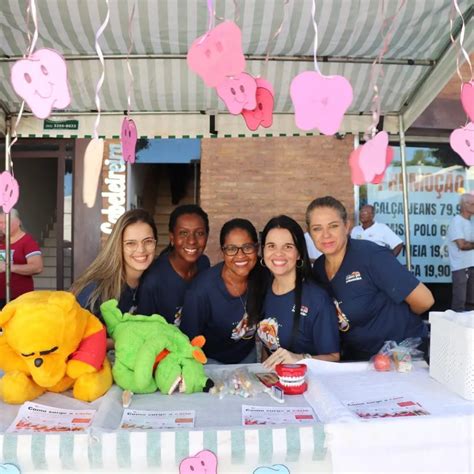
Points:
x=238 y=93
x=41 y=81
x=128 y=139
x=9 y=191
x=262 y=115
x=320 y=101
x=217 y=54
x=462 y=142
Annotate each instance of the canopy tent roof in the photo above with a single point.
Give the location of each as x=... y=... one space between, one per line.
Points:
x=170 y=100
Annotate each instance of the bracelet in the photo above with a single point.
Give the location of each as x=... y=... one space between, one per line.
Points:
x=307 y=356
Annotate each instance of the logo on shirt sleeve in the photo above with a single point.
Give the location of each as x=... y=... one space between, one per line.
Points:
x=354 y=276
x=243 y=330
x=268 y=333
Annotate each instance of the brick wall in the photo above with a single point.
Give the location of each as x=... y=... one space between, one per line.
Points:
x=258 y=178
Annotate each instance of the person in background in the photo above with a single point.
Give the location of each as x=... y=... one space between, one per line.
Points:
x=299 y=318
x=166 y=281
x=26 y=259
x=461 y=255
x=220 y=304
x=377 y=298
x=313 y=252
x=117 y=270
x=379 y=233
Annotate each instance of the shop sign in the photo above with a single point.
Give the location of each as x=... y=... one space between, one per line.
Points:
x=61 y=125
x=114 y=187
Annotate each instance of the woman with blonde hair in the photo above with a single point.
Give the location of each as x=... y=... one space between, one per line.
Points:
x=117 y=269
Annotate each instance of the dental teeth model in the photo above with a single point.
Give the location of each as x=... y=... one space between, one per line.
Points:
x=292 y=378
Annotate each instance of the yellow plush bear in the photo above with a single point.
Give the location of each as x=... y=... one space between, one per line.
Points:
x=48 y=342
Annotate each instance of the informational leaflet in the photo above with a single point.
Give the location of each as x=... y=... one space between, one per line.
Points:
x=157 y=420
x=34 y=417
x=386 y=408
x=256 y=415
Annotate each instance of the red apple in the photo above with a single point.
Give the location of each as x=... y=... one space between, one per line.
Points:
x=382 y=362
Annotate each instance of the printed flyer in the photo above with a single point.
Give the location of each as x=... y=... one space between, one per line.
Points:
x=256 y=415
x=33 y=417
x=157 y=420
x=386 y=408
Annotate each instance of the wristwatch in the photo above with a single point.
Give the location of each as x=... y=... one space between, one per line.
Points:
x=307 y=356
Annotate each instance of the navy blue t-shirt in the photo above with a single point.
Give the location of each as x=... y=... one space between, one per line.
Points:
x=162 y=289
x=127 y=302
x=370 y=288
x=318 y=331
x=209 y=309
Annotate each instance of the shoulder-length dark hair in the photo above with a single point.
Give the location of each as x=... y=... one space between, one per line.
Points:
x=303 y=267
x=258 y=276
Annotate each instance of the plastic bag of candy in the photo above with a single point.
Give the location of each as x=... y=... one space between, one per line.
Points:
x=236 y=382
x=399 y=357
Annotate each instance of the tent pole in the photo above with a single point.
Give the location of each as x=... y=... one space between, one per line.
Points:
x=406 y=218
x=7 y=219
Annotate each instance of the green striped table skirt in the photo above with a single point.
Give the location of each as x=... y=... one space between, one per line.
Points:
x=300 y=449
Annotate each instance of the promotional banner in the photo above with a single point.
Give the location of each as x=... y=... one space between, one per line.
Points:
x=433 y=197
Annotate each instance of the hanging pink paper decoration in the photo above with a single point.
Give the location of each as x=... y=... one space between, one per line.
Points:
x=462 y=142
x=217 y=54
x=128 y=139
x=369 y=161
x=9 y=191
x=204 y=462
x=388 y=159
x=320 y=101
x=238 y=92
x=41 y=81
x=372 y=156
x=467 y=99
x=262 y=115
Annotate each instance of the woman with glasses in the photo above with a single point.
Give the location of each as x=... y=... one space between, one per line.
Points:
x=117 y=269
x=378 y=299
x=220 y=303
x=164 y=284
x=299 y=319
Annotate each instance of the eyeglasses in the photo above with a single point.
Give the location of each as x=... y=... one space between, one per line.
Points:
x=232 y=250
x=132 y=245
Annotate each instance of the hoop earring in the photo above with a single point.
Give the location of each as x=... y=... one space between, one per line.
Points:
x=300 y=261
x=262 y=262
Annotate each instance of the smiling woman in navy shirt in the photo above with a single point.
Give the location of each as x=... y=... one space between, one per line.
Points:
x=164 y=284
x=300 y=319
x=377 y=297
x=220 y=302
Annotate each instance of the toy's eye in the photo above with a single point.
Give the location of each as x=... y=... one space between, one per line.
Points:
x=27 y=355
x=44 y=70
x=1 y=331
x=232 y=90
x=242 y=89
x=27 y=78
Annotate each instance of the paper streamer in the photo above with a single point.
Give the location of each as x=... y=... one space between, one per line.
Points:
x=461 y=49
x=102 y=62
x=374 y=76
x=130 y=73
x=315 y=46
x=29 y=50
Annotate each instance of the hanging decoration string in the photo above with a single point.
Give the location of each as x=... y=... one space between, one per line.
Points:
x=236 y=11
x=211 y=19
x=102 y=62
x=315 y=47
x=31 y=10
x=130 y=73
x=459 y=47
x=377 y=73
x=275 y=35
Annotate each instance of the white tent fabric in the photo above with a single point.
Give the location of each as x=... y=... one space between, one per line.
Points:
x=419 y=61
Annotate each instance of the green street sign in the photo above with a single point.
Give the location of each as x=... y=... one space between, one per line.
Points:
x=61 y=125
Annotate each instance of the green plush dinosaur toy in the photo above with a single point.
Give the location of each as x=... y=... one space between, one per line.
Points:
x=152 y=354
